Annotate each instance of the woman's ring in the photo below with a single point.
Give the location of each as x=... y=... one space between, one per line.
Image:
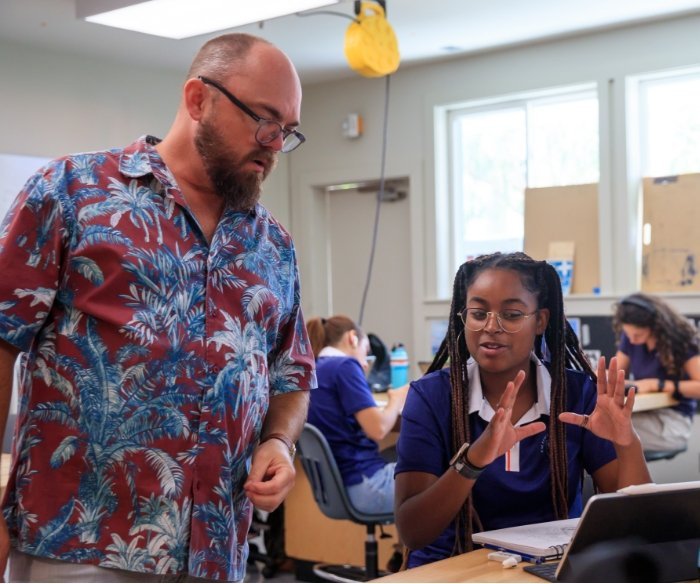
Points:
x=584 y=423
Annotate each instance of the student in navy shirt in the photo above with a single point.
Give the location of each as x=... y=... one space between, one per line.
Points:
x=501 y=438
x=344 y=410
x=659 y=348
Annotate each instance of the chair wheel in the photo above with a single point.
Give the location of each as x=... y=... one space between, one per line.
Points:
x=268 y=572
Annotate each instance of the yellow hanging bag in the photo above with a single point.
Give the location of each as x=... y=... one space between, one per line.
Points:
x=371 y=48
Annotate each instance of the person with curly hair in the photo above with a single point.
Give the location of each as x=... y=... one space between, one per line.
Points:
x=502 y=436
x=660 y=349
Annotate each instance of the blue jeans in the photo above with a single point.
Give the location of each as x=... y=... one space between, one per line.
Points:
x=375 y=494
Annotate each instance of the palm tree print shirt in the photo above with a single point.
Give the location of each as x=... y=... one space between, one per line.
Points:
x=149 y=357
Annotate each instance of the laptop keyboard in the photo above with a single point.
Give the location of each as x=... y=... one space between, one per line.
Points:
x=546 y=571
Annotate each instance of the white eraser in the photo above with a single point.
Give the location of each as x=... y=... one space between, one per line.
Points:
x=511 y=562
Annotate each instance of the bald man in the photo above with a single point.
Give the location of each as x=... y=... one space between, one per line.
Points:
x=165 y=367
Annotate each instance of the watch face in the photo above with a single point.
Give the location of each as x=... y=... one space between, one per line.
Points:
x=459 y=453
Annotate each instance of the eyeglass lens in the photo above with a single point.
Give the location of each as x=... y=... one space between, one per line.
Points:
x=476 y=320
x=268 y=131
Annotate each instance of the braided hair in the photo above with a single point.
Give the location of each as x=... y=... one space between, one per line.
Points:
x=564 y=351
x=675 y=336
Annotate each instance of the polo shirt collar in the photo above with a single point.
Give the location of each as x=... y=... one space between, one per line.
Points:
x=477 y=402
x=331 y=352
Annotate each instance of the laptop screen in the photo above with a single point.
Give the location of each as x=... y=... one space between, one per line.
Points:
x=651 y=527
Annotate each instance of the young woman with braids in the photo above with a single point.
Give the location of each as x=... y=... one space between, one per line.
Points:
x=344 y=410
x=502 y=437
x=659 y=348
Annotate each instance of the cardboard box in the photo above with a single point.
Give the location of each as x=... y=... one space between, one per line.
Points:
x=671 y=217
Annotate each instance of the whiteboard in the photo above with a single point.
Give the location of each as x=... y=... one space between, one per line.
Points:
x=14 y=172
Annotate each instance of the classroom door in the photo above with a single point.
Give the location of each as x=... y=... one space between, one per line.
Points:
x=389 y=306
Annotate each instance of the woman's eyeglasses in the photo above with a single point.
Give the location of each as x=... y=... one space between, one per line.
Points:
x=510 y=321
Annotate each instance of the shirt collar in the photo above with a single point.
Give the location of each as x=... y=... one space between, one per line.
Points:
x=141 y=158
x=477 y=402
x=332 y=352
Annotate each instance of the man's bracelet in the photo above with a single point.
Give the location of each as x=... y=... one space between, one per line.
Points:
x=284 y=439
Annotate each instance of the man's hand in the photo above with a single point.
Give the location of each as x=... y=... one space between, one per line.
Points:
x=271 y=475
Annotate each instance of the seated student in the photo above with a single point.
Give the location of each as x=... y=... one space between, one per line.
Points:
x=344 y=410
x=659 y=348
x=482 y=443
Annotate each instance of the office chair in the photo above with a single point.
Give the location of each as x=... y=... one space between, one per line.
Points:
x=332 y=498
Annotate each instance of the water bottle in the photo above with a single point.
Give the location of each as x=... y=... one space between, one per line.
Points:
x=399 y=366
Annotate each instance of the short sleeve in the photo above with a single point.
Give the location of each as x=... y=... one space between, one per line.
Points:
x=32 y=247
x=425 y=430
x=353 y=391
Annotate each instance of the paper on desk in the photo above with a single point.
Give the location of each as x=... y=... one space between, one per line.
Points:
x=658 y=488
x=535 y=539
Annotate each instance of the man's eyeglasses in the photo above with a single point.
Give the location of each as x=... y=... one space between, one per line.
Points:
x=510 y=321
x=268 y=130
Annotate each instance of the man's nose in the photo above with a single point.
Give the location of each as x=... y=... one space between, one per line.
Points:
x=277 y=143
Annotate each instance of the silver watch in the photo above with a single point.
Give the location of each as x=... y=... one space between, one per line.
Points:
x=461 y=464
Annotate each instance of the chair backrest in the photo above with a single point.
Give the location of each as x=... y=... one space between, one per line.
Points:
x=326 y=481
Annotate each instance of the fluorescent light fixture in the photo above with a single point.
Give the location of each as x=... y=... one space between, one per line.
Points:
x=179 y=19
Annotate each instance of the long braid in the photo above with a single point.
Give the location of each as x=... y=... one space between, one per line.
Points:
x=564 y=351
x=556 y=337
x=458 y=355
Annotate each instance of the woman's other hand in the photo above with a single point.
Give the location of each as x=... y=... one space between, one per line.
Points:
x=612 y=417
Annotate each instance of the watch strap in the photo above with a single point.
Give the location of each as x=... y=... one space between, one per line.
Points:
x=461 y=463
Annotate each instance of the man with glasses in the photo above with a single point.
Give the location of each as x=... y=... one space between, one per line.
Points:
x=165 y=360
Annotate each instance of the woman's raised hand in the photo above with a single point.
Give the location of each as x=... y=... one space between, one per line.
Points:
x=612 y=417
x=500 y=435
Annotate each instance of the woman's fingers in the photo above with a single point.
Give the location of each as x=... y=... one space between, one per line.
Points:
x=575 y=419
x=629 y=402
x=523 y=432
x=507 y=400
x=602 y=377
x=620 y=388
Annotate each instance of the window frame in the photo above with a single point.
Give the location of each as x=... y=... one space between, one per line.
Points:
x=446 y=171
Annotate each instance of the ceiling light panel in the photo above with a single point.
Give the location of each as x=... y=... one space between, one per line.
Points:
x=179 y=19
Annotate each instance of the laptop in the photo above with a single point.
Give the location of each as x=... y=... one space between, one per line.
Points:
x=646 y=533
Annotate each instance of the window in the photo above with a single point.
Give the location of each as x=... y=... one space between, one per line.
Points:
x=670 y=124
x=669 y=142
x=495 y=150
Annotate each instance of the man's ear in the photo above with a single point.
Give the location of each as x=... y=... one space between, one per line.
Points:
x=195 y=94
x=542 y=320
x=353 y=340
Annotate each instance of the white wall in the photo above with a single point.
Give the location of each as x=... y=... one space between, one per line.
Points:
x=53 y=103
x=605 y=57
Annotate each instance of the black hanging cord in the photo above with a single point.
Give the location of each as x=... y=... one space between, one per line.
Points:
x=380 y=197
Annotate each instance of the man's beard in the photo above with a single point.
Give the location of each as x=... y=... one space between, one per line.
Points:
x=239 y=189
